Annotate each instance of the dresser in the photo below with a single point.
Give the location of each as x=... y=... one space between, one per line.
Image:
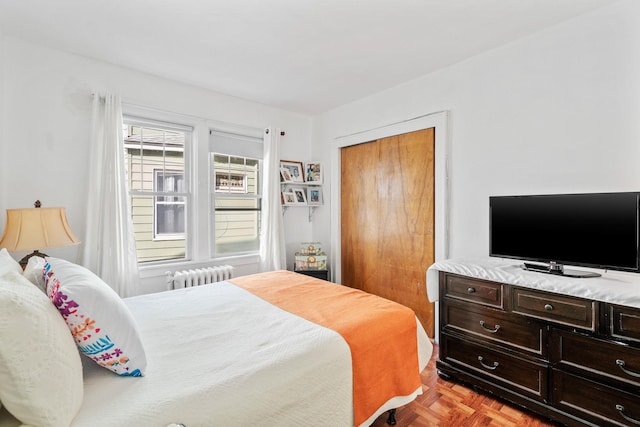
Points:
x=572 y=359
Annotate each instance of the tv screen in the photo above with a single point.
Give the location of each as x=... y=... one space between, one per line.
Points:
x=591 y=230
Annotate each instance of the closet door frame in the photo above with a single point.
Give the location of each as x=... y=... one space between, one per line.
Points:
x=442 y=168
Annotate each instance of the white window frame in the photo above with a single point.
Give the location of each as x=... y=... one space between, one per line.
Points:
x=238 y=144
x=200 y=215
x=187 y=194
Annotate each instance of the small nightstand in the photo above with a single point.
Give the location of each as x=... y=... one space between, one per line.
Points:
x=319 y=274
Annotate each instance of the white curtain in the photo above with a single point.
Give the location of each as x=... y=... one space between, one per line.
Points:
x=272 y=244
x=109 y=247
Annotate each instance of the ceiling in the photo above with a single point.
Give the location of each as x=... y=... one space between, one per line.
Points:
x=307 y=56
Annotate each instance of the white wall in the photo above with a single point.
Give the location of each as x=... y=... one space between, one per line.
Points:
x=3 y=151
x=46 y=129
x=558 y=111
x=555 y=112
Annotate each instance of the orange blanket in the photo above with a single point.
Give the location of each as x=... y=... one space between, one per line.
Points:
x=380 y=333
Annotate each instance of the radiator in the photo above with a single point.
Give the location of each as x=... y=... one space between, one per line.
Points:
x=198 y=276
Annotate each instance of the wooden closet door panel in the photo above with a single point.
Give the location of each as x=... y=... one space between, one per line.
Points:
x=406 y=229
x=387 y=229
x=359 y=200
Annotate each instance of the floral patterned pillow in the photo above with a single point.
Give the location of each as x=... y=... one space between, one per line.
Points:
x=100 y=323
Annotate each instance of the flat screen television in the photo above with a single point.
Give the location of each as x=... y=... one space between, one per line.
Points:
x=591 y=230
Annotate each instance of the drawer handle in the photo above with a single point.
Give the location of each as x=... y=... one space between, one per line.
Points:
x=481 y=360
x=548 y=307
x=620 y=409
x=493 y=331
x=471 y=290
x=621 y=365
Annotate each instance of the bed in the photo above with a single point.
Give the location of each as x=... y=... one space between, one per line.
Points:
x=276 y=348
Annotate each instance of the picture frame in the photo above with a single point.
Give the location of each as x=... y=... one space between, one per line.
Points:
x=294 y=168
x=314 y=196
x=300 y=195
x=288 y=198
x=285 y=175
x=313 y=172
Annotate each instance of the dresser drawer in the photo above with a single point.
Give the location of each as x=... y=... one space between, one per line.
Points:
x=474 y=290
x=598 y=403
x=518 y=332
x=625 y=322
x=615 y=361
x=524 y=377
x=561 y=309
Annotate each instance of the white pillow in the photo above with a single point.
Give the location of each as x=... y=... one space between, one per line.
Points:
x=7 y=263
x=100 y=323
x=34 y=271
x=40 y=368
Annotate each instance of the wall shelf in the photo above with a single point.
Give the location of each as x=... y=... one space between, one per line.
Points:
x=307 y=189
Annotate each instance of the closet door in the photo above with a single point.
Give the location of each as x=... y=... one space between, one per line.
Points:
x=387 y=219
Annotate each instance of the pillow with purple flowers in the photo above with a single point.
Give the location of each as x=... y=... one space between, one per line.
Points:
x=100 y=323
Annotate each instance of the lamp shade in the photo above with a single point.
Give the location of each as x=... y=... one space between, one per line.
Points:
x=36 y=228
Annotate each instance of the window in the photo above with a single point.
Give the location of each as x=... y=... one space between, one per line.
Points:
x=168 y=210
x=229 y=182
x=237 y=201
x=185 y=213
x=157 y=179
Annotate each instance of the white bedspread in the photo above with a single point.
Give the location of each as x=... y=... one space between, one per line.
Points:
x=218 y=355
x=613 y=287
x=235 y=336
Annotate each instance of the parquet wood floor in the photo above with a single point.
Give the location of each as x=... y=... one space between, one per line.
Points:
x=445 y=403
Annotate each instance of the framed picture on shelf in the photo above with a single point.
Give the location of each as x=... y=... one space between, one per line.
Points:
x=285 y=175
x=313 y=172
x=300 y=195
x=314 y=196
x=288 y=198
x=294 y=169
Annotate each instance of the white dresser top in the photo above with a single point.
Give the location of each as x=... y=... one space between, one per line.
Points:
x=613 y=286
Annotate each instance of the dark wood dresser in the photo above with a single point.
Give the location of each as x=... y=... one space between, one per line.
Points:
x=574 y=360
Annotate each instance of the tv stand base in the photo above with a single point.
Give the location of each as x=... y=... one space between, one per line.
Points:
x=540 y=268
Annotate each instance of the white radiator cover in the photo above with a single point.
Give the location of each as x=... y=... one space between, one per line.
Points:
x=198 y=276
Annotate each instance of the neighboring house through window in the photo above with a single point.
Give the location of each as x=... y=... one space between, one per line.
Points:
x=168 y=218
x=228 y=182
x=236 y=165
x=159 y=175
x=158 y=189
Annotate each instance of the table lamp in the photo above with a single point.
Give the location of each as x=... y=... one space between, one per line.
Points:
x=36 y=228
